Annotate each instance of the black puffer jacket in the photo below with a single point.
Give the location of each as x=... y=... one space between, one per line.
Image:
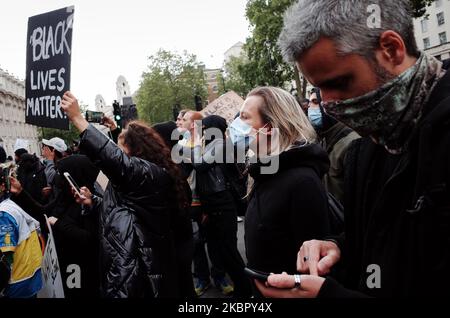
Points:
x=137 y=247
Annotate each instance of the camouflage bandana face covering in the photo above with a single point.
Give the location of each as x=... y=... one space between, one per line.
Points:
x=389 y=114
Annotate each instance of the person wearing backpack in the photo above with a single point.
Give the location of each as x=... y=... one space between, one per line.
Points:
x=288 y=204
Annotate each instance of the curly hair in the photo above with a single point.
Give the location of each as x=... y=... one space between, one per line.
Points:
x=144 y=142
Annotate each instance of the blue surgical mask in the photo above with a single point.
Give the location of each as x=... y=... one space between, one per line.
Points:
x=315 y=117
x=240 y=133
x=187 y=135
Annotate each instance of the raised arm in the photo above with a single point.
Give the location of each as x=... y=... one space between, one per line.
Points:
x=123 y=171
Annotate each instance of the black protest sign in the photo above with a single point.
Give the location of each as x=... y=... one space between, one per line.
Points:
x=49 y=51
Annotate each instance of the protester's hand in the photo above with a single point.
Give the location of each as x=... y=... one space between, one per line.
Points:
x=282 y=286
x=109 y=122
x=52 y=220
x=70 y=106
x=85 y=198
x=46 y=192
x=317 y=257
x=16 y=187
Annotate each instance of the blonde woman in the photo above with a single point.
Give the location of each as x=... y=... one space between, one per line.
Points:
x=287 y=205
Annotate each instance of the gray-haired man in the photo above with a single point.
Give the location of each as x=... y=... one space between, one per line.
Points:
x=363 y=57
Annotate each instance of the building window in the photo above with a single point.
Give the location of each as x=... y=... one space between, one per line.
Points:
x=424 y=23
x=438 y=3
x=443 y=37
x=440 y=18
x=426 y=43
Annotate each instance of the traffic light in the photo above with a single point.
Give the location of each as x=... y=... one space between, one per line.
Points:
x=198 y=103
x=128 y=111
x=175 y=111
x=117 y=114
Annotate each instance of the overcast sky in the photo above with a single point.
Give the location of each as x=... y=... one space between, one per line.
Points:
x=113 y=38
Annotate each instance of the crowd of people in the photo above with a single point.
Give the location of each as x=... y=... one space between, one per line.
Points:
x=373 y=136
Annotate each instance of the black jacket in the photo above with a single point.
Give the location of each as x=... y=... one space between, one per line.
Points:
x=137 y=245
x=31 y=174
x=76 y=231
x=286 y=209
x=397 y=211
x=210 y=174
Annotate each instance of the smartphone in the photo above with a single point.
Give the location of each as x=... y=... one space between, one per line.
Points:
x=261 y=276
x=72 y=183
x=94 y=117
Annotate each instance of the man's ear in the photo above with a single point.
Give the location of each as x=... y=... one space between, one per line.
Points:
x=392 y=54
x=392 y=47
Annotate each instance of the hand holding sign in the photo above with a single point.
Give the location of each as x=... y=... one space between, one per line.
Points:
x=70 y=106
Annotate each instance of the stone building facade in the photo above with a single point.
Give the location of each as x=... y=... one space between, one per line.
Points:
x=12 y=115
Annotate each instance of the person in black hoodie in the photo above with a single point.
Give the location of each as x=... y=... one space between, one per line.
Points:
x=397 y=195
x=219 y=208
x=76 y=229
x=31 y=174
x=288 y=203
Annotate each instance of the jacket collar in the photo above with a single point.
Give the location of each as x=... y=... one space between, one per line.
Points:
x=312 y=156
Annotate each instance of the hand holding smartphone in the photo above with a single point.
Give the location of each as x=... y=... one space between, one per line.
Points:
x=261 y=276
x=72 y=183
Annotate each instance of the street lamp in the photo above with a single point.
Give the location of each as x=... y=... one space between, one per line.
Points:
x=223 y=80
x=267 y=44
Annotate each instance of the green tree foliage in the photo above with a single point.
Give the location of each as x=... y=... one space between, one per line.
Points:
x=237 y=71
x=170 y=79
x=419 y=7
x=265 y=63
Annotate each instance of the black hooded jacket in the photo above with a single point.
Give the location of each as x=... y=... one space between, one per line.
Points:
x=137 y=246
x=397 y=212
x=31 y=174
x=211 y=178
x=286 y=209
x=76 y=231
